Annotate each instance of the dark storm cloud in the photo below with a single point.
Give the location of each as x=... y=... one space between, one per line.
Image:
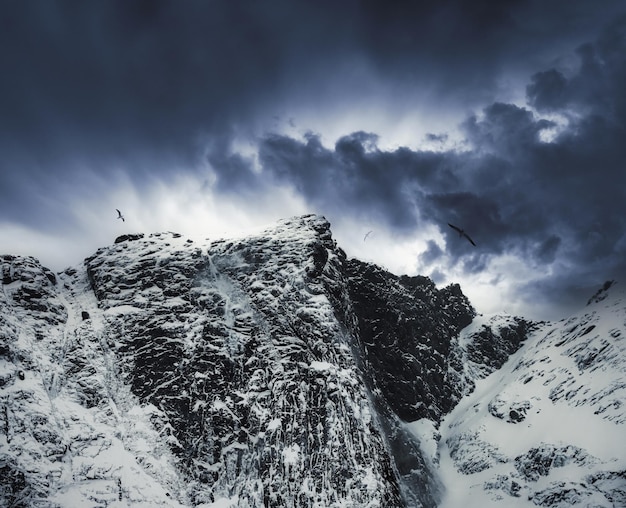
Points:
x=133 y=84
x=405 y=189
x=141 y=85
x=555 y=202
x=544 y=201
x=355 y=175
x=431 y=254
x=154 y=87
x=593 y=87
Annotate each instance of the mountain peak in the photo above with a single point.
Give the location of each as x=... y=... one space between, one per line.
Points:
x=609 y=288
x=271 y=370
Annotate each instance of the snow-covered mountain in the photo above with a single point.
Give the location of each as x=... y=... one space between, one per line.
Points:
x=272 y=371
x=548 y=428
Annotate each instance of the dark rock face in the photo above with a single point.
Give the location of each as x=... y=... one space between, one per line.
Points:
x=241 y=350
x=539 y=462
x=35 y=287
x=612 y=484
x=607 y=488
x=14 y=484
x=129 y=237
x=31 y=315
x=601 y=293
x=473 y=455
x=406 y=327
x=492 y=348
x=505 y=484
x=510 y=412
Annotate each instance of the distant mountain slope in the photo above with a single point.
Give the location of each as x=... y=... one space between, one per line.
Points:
x=272 y=371
x=548 y=428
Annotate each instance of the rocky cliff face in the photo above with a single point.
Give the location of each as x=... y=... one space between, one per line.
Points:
x=267 y=371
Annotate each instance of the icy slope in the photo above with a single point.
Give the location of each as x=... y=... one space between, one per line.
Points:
x=549 y=427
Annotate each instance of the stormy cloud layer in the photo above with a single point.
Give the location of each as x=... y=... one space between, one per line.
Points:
x=244 y=98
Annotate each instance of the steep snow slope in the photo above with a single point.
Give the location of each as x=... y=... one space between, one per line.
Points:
x=549 y=427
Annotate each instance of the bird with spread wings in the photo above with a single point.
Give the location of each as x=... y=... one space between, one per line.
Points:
x=462 y=233
x=119 y=215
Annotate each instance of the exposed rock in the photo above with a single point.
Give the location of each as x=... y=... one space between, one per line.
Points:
x=504 y=484
x=605 y=490
x=406 y=329
x=492 y=348
x=540 y=461
x=129 y=237
x=473 y=455
x=612 y=484
x=602 y=293
x=240 y=347
x=32 y=287
x=509 y=411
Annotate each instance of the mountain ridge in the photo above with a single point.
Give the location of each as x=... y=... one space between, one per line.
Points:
x=269 y=370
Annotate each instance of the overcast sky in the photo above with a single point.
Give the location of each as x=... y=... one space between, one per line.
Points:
x=505 y=117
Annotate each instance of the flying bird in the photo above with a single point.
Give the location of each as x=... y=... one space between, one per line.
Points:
x=366 y=235
x=119 y=215
x=462 y=233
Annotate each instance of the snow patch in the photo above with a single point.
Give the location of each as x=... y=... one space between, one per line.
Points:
x=427 y=435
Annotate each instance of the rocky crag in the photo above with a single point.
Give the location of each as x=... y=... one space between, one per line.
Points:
x=267 y=371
